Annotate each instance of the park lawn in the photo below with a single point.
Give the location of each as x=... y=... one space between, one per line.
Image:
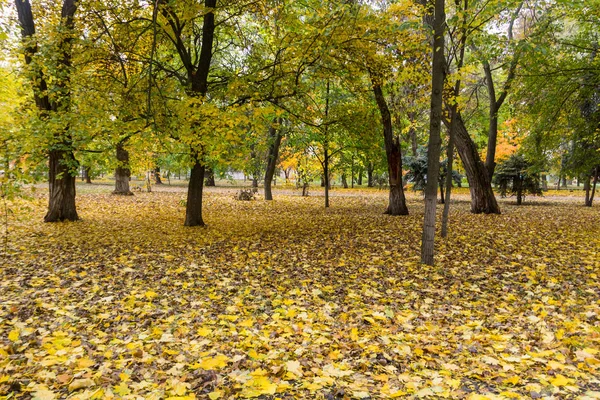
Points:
x=286 y=299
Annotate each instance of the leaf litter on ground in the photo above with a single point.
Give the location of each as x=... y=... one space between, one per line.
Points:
x=287 y=300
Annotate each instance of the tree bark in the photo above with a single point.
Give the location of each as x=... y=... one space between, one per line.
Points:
x=587 y=187
x=326 y=173
x=412 y=133
x=122 y=172
x=61 y=160
x=193 y=209
x=370 y=170
x=344 y=181
x=210 y=177
x=87 y=171
x=434 y=145
x=61 y=204
x=156 y=175
x=480 y=186
x=590 y=199
x=275 y=137
x=397 y=200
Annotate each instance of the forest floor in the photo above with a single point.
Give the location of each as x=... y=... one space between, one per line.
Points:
x=288 y=300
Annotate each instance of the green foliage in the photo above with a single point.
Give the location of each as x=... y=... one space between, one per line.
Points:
x=417 y=171
x=517 y=177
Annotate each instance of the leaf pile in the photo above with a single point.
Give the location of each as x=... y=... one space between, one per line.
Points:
x=288 y=300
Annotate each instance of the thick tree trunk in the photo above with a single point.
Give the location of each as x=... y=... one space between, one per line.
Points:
x=61 y=205
x=370 y=170
x=122 y=172
x=210 y=177
x=587 y=187
x=193 y=209
x=397 y=201
x=275 y=141
x=156 y=175
x=359 y=180
x=480 y=186
x=344 y=181
x=87 y=171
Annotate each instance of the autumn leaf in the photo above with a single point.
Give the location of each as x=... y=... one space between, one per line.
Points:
x=258 y=386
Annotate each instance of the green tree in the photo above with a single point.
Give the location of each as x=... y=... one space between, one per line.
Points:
x=516 y=176
x=49 y=74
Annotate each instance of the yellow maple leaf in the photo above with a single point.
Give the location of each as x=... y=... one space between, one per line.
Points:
x=85 y=363
x=294 y=367
x=217 y=394
x=258 y=386
x=43 y=393
x=13 y=336
x=217 y=362
x=122 y=389
x=560 y=380
x=150 y=294
x=513 y=380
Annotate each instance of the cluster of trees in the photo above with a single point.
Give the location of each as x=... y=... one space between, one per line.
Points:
x=258 y=85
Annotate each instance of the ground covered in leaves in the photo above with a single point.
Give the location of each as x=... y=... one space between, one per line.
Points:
x=288 y=300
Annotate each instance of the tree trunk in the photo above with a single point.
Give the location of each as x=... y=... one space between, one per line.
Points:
x=87 y=175
x=210 y=177
x=412 y=133
x=544 y=182
x=275 y=141
x=591 y=197
x=587 y=187
x=326 y=175
x=326 y=150
x=448 y=183
x=564 y=181
x=397 y=201
x=156 y=175
x=482 y=195
x=193 y=209
x=370 y=170
x=360 y=176
x=434 y=145
x=344 y=181
x=122 y=172
x=519 y=183
x=61 y=205
x=442 y=198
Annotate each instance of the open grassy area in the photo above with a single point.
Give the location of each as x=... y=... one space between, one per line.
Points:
x=286 y=299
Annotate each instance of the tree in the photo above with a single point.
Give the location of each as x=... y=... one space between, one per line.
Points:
x=434 y=146
x=516 y=176
x=52 y=94
x=275 y=136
